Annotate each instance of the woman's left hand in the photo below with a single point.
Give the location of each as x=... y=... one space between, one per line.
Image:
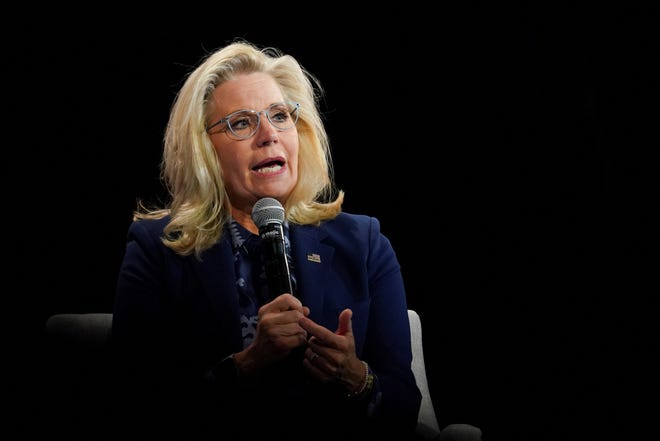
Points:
x=330 y=356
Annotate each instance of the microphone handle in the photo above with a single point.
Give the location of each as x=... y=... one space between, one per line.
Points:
x=276 y=263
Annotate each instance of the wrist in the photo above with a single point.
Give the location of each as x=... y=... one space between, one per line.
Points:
x=245 y=365
x=366 y=385
x=226 y=369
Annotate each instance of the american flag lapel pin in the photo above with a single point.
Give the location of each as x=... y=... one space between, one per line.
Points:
x=313 y=257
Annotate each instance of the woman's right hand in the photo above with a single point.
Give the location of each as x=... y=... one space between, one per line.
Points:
x=278 y=333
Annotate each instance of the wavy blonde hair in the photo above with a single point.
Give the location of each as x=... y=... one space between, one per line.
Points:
x=190 y=169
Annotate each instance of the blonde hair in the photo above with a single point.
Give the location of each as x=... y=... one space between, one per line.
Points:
x=191 y=173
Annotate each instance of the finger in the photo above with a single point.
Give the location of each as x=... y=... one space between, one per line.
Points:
x=282 y=318
x=316 y=330
x=319 y=366
x=345 y=322
x=284 y=302
x=311 y=355
x=315 y=371
x=283 y=329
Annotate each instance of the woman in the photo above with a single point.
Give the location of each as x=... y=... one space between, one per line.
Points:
x=203 y=344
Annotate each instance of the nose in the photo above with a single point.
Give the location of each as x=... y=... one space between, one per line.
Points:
x=266 y=132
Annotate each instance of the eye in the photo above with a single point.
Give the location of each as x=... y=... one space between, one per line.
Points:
x=242 y=121
x=279 y=114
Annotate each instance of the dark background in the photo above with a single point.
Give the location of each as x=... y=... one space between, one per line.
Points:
x=509 y=153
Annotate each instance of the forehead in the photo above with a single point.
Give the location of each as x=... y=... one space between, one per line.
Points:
x=247 y=91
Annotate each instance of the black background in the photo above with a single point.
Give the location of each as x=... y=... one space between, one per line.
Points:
x=508 y=151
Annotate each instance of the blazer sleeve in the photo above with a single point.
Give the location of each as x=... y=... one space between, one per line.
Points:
x=366 y=276
x=164 y=348
x=387 y=346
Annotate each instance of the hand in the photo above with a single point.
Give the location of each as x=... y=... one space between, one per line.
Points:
x=330 y=356
x=278 y=333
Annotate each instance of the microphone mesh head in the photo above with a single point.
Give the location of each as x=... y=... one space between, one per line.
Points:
x=266 y=211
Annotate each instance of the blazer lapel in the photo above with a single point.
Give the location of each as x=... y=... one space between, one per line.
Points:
x=311 y=262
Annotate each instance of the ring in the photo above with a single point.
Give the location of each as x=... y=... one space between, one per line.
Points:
x=314 y=357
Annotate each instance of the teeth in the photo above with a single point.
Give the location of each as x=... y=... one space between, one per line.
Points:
x=270 y=169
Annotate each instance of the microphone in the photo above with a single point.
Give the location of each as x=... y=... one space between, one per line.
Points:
x=268 y=215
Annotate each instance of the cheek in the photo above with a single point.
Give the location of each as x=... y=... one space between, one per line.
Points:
x=230 y=164
x=228 y=157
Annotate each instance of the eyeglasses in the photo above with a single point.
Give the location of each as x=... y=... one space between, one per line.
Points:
x=243 y=124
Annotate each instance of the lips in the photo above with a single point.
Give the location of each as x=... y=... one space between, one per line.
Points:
x=268 y=169
x=269 y=166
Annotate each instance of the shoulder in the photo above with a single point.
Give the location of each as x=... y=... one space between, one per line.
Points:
x=360 y=236
x=148 y=234
x=359 y=224
x=148 y=227
x=353 y=228
x=144 y=240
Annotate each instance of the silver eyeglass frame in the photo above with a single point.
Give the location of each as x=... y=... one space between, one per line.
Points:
x=293 y=114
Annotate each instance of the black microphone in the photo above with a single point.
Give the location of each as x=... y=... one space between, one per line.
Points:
x=268 y=215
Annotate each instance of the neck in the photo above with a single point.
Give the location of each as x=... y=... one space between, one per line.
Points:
x=245 y=219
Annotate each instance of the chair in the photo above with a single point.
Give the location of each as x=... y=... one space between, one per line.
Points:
x=427 y=422
x=84 y=337
x=76 y=377
x=90 y=330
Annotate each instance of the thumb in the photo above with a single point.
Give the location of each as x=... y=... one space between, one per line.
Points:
x=345 y=322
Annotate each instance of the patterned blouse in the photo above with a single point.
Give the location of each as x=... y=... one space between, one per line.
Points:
x=251 y=275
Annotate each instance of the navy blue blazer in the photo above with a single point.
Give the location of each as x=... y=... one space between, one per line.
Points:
x=182 y=312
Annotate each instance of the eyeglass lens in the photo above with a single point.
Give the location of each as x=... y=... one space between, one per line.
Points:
x=245 y=123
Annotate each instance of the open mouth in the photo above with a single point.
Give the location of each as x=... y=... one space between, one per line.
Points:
x=269 y=166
